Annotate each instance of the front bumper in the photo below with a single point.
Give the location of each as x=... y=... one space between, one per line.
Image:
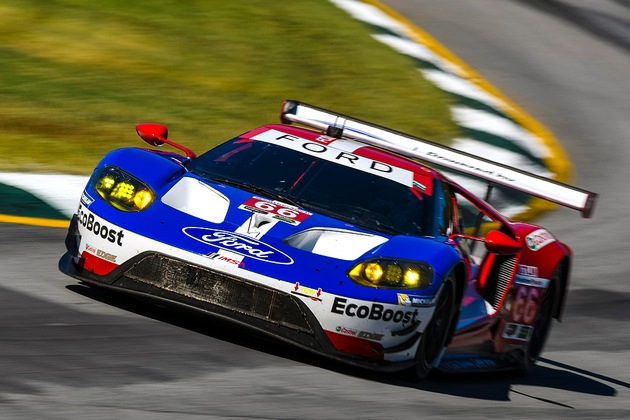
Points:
x=174 y=281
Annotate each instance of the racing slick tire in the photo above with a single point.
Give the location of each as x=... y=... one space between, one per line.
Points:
x=436 y=334
x=542 y=324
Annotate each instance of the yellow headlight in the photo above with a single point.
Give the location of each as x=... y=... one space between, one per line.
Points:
x=394 y=273
x=142 y=199
x=390 y=273
x=106 y=183
x=121 y=189
x=412 y=277
x=373 y=272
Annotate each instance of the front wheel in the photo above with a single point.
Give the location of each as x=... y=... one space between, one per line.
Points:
x=435 y=336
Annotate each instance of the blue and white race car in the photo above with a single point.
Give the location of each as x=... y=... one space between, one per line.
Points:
x=328 y=232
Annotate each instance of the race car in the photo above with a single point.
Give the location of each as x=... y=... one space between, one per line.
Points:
x=335 y=235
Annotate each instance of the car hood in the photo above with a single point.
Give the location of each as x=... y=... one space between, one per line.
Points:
x=255 y=217
x=268 y=237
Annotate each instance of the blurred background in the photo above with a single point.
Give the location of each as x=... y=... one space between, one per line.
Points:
x=75 y=78
x=77 y=75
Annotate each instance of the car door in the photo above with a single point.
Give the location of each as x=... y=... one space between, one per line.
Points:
x=477 y=228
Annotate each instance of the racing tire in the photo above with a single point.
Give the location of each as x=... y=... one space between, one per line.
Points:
x=436 y=334
x=542 y=325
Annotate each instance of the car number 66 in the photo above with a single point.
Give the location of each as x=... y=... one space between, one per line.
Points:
x=275 y=209
x=526 y=303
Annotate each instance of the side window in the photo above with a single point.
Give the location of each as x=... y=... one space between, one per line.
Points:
x=473 y=222
x=444 y=209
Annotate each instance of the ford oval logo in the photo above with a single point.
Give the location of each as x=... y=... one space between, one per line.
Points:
x=239 y=244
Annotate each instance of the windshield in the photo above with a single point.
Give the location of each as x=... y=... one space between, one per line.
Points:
x=359 y=197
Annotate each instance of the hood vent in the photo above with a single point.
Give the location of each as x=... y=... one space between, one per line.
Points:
x=335 y=243
x=193 y=197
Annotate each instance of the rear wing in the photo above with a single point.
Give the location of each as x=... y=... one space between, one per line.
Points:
x=339 y=125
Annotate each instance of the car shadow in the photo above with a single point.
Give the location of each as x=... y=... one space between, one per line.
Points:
x=495 y=386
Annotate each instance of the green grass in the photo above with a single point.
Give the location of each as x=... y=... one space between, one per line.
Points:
x=78 y=75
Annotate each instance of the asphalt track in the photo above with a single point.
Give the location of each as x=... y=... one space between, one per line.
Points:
x=71 y=352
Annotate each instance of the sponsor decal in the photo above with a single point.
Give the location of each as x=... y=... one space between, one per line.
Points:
x=346 y=331
x=313 y=294
x=325 y=139
x=359 y=334
x=341 y=157
x=86 y=199
x=531 y=281
x=100 y=253
x=413 y=300
x=87 y=220
x=106 y=255
x=276 y=210
x=472 y=166
x=373 y=311
x=538 y=239
x=527 y=270
x=238 y=244
x=370 y=336
x=518 y=332
x=419 y=186
x=423 y=183
x=235 y=259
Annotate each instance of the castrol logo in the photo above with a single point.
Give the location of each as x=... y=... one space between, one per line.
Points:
x=538 y=239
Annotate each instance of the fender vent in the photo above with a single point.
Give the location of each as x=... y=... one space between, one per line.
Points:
x=499 y=280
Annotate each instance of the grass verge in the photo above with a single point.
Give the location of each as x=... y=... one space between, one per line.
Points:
x=78 y=75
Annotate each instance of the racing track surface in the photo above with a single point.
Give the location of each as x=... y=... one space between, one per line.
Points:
x=71 y=352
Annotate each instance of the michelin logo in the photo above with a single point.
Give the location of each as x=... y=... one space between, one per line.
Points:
x=413 y=300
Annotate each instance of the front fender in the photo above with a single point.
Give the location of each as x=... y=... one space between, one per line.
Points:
x=163 y=170
x=542 y=253
x=442 y=256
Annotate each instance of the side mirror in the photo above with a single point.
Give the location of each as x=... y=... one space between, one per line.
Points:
x=500 y=243
x=151 y=133
x=157 y=135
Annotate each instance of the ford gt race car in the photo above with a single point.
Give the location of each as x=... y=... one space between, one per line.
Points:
x=334 y=234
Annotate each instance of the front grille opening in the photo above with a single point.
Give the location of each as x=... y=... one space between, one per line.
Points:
x=219 y=289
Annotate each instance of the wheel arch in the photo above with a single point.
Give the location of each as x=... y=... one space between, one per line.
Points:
x=460 y=284
x=563 y=286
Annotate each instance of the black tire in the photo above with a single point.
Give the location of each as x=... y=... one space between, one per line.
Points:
x=436 y=334
x=542 y=324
